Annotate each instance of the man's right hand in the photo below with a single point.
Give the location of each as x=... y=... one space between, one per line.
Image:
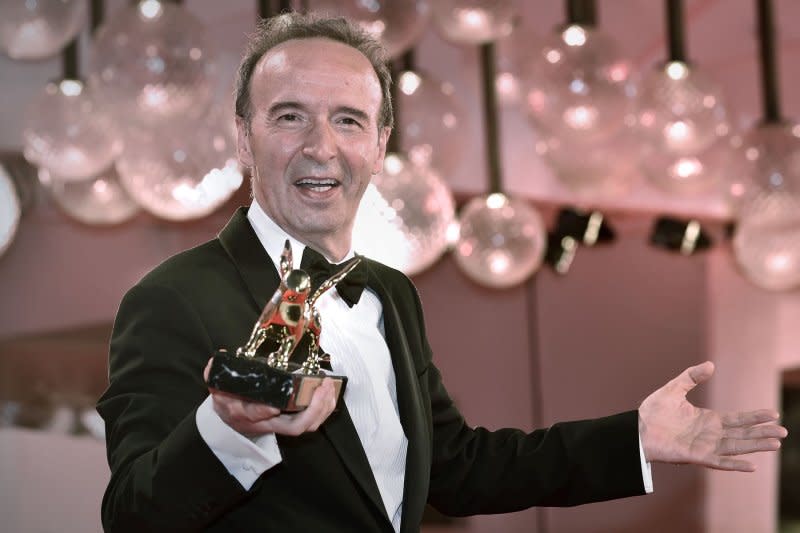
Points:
x=253 y=419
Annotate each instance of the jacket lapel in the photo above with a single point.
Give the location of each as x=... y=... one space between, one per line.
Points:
x=254 y=264
x=261 y=278
x=409 y=400
x=339 y=429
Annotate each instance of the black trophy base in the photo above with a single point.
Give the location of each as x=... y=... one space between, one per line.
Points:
x=253 y=379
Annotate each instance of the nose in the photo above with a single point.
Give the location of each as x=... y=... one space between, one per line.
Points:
x=320 y=144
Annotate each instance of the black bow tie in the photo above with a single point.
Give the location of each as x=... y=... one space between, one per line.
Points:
x=350 y=288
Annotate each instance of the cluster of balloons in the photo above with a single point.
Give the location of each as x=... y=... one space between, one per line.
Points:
x=141 y=131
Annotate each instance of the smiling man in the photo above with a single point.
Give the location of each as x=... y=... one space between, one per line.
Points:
x=313 y=115
x=313 y=139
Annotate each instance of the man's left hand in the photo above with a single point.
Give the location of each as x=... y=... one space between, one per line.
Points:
x=675 y=431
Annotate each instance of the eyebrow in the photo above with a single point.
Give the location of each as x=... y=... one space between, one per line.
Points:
x=284 y=106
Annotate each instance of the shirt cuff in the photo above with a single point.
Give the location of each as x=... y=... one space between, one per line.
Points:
x=647 y=475
x=243 y=458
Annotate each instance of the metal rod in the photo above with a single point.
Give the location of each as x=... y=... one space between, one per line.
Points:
x=69 y=61
x=97 y=13
x=407 y=61
x=769 y=67
x=491 y=118
x=264 y=9
x=675 y=31
x=583 y=12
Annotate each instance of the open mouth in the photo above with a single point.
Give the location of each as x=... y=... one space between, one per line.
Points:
x=317 y=184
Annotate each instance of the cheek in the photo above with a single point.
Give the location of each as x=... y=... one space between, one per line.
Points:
x=365 y=157
x=277 y=153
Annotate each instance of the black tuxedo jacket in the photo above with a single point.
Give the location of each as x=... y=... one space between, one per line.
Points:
x=165 y=478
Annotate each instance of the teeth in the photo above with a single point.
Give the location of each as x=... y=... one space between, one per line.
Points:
x=321 y=185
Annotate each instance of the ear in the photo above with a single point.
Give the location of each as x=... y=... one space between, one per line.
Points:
x=383 y=138
x=243 y=149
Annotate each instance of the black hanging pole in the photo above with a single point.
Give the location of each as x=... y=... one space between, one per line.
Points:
x=407 y=61
x=769 y=67
x=675 y=34
x=285 y=6
x=264 y=9
x=583 y=12
x=491 y=118
x=97 y=13
x=69 y=61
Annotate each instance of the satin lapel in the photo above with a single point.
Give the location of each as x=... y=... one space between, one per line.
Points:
x=409 y=400
x=259 y=274
x=342 y=433
x=254 y=264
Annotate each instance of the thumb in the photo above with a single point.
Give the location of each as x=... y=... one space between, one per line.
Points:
x=693 y=376
x=207 y=369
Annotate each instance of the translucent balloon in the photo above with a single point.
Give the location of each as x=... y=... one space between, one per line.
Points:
x=431 y=122
x=579 y=87
x=66 y=132
x=36 y=29
x=186 y=171
x=515 y=53
x=473 y=21
x=767 y=241
x=10 y=210
x=683 y=123
x=398 y=24
x=99 y=200
x=593 y=170
x=405 y=217
x=502 y=241
x=153 y=62
x=767 y=160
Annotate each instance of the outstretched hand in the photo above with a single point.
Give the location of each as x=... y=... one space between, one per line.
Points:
x=252 y=419
x=675 y=431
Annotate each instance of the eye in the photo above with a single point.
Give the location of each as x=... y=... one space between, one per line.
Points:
x=289 y=117
x=350 y=122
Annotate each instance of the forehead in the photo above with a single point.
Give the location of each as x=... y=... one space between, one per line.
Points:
x=315 y=67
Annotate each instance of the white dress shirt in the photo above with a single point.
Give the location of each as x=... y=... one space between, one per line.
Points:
x=355 y=339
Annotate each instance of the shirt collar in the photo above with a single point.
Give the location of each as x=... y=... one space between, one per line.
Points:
x=272 y=237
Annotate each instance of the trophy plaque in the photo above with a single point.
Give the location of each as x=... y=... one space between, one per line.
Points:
x=280 y=363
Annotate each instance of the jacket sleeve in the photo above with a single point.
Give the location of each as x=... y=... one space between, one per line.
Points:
x=477 y=471
x=163 y=475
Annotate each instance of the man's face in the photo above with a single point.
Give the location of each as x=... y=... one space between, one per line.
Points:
x=313 y=142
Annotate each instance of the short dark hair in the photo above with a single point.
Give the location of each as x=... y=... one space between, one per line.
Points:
x=288 y=26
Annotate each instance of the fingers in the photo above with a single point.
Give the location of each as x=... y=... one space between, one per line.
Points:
x=241 y=415
x=207 y=370
x=743 y=446
x=756 y=432
x=693 y=376
x=736 y=465
x=253 y=418
x=749 y=418
x=322 y=405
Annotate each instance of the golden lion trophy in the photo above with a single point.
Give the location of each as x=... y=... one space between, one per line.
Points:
x=280 y=363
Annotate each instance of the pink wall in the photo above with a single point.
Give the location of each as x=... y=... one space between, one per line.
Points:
x=624 y=320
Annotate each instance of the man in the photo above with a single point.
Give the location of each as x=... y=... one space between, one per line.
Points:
x=313 y=117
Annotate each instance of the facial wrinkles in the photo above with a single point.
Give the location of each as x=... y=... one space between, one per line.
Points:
x=324 y=81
